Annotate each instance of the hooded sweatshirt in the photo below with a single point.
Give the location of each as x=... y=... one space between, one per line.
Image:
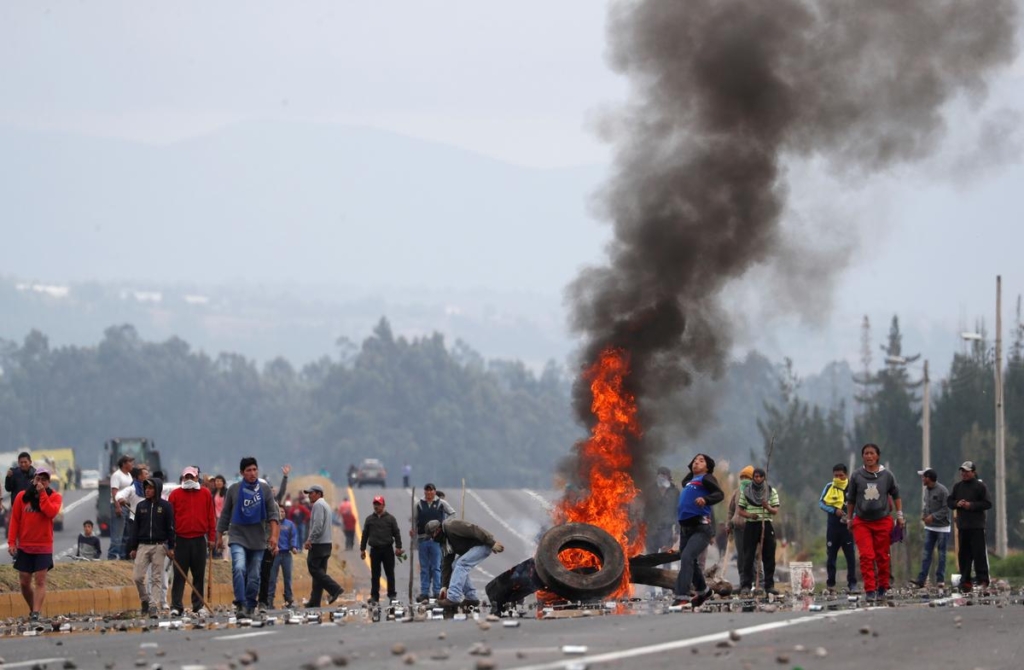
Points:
x=869 y=493
x=154 y=520
x=31 y=523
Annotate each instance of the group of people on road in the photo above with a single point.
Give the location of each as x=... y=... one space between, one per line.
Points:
x=865 y=516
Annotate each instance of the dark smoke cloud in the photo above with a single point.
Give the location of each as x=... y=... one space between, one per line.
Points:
x=724 y=92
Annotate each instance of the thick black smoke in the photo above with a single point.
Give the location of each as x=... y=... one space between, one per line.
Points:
x=723 y=92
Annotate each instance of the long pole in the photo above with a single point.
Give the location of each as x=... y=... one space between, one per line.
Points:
x=412 y=517
x=926 y=421
x=1001 y=539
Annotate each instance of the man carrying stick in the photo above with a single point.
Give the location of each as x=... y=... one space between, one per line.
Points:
x=758 y=504
x=195 y=529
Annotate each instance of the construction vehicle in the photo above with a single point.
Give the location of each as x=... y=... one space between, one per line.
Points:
x=143 y=450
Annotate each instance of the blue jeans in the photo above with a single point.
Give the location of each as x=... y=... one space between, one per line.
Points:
x=116 y=548
x=692 y=541
x=245 y=574
x=933 y=538
x=430 y=567
x=282 y=561
x=460 y=587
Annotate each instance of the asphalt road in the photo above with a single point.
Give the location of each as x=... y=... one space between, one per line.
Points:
x=902 y=637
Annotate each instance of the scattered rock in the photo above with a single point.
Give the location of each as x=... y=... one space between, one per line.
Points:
x=439 y=655
x=734 y=636
x=821 y=652
x=725 y=644
x=68 y=664
x=442 y=635
x=398 y=649
x=485 y=664
x=479 y=649
x=339 y=660
x=409 y=659
x=865 y=630
x=483 y=625
x=799 y=648
x=782 y=659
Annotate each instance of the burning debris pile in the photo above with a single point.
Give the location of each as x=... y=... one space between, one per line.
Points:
x=725 y=93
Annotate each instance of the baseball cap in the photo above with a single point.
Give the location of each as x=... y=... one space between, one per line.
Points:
x=43 y=470
x=968 y=465
x=190 y=470
x=429 y=487
x=929 y=473
x=378 y=499
x=315 y=488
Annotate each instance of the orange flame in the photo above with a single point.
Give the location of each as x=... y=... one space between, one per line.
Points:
x=607 y=459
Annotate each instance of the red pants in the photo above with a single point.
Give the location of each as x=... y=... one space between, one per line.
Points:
x=873 y=539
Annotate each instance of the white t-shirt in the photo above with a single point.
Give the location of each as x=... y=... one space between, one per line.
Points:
x=119 y=480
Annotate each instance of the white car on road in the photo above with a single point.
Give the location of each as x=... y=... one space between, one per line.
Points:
x=90 y=479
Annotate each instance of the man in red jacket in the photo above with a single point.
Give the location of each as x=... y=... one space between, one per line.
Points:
x=195 y=530
x=31 y=538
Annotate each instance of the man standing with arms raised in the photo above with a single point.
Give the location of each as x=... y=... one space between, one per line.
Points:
x=318 y=549
x=867 y=506
x=251 y=519
x=970 y=499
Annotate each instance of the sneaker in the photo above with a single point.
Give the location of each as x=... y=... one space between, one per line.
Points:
x=916 y=584
x=966 y=587
x=871 y=596
x=472 y=602
x=261 y=608
x=239 y=611
x=288 y=604
x=745 y=593
x=422 y=598
x=248 y=612
x=34 y=616
x=853 y=589
x=940 y=585
x=331 y=598
x=882 y=593
x=444 y=602
x=681 y=602
x=701 y=598
x=175 y=611
x=202 y=613
x=144 y=608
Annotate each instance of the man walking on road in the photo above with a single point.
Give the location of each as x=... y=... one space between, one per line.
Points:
x=867 y=505
x=30 y=538
x=837 y=533
x=429 y=508
x=251 y=519
x=466 y=545
x=970 y=499
x=195 y=530
x=935 y=515
x=381 y=534
x=150 y=542
x=318 y=549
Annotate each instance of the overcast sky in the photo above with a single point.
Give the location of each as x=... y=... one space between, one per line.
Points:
x=524 y=82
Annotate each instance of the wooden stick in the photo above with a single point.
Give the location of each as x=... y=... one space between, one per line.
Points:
x=412 y=511
x=759 y=559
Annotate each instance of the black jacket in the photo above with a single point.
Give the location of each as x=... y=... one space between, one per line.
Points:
x=380 y=531
x=154 y=521
x=976 y=494
x=18 y=481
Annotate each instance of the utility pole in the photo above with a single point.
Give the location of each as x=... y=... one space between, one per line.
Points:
x=1001 y=538
x=926 y=421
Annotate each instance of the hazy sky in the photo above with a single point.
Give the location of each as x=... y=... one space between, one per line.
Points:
x=527 y=83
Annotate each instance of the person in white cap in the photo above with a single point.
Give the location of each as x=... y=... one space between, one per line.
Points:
x=30 y=538
x=318 y=549
x=195 y=529
x=970 y=499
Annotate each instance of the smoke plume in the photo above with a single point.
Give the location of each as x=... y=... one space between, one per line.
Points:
x=724 y=91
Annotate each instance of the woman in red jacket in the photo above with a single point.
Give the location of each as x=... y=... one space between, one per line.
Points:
x=31 y=538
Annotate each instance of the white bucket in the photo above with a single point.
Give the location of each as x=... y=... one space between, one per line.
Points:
x=954 y=580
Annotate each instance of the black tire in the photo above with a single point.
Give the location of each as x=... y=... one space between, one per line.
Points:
x=577 y=585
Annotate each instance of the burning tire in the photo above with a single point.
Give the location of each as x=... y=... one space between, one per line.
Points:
x=573 y=585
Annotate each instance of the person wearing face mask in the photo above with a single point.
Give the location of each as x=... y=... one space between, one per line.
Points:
x=700 y=492
x=195 y=527
x=837 y=533
x=662 y=526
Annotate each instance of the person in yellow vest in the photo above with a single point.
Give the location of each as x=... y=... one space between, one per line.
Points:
x=837 y=534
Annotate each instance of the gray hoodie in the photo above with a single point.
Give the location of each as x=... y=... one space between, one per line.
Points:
x=935 y=504
x=869 y=493
x=320 y=523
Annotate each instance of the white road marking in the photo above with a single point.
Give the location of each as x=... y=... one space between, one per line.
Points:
x=36 y=662
x=504 y=524
x=587 y=661
x=242 y=636
x=544 y=502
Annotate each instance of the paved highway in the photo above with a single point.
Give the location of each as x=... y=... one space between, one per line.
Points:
x=903 y=637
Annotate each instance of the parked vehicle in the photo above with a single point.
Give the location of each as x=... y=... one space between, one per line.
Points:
x=90 y=479
x=143 y=450
x=371 y=471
